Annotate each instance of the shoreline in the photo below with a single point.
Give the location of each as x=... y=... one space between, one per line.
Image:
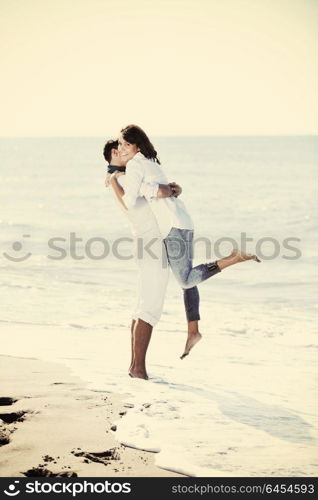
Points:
x=52 y=425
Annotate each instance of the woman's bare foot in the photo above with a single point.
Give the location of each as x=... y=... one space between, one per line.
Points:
x=138 y=374
x=241 y=256
x=235 y=257
x=193 y=338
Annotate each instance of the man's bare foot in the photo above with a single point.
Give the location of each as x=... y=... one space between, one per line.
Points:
x=138 y=373
x=193 y=338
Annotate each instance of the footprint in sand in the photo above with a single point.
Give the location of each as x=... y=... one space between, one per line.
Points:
x=42 y=472
x=4 y=436
x=5 y=401
x=103 y=457
x=7 y=418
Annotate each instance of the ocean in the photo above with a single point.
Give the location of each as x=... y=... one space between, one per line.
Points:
x=244 y=402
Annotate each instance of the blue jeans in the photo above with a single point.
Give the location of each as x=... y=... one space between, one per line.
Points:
x=179 y=248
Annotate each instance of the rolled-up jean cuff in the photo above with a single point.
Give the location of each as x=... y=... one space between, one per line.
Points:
x=193 y=317
x=214 y=267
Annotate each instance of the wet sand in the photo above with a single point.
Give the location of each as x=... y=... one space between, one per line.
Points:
x=52 y=425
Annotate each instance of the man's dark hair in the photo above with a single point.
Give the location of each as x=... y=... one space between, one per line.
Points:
x=111 y=144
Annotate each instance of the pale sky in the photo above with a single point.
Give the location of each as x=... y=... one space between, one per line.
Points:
x=174 y=67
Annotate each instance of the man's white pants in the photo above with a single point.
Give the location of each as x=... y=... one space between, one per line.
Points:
x=153 y=275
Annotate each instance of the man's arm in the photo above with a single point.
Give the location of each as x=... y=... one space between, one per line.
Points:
x=119 y=192
x=135 y=186
x=146 y=189
x=155 y=190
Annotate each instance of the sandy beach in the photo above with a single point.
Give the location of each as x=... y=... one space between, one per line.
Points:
x=52 y=425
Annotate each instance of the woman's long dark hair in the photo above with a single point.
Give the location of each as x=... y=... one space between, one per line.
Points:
x=135 y=135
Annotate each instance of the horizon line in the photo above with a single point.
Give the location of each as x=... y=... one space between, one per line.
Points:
x=157 y=136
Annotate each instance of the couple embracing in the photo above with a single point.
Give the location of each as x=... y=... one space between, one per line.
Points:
x=157 y=215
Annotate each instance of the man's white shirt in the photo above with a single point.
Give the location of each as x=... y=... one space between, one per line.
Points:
x=140 y=216
x=142 y=179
